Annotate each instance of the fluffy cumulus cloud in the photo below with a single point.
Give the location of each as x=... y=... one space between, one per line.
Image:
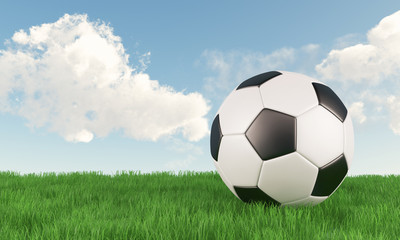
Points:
x=371 y=62
x=356 y=110
x=376 y=65
x=393 y=104
x=233 y=67
x=230 y=68
x=73 y=77
x=176 y=166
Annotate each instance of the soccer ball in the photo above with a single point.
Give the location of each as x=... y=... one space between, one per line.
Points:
x=282 y=138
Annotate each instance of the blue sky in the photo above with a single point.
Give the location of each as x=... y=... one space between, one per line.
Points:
x=197 y=52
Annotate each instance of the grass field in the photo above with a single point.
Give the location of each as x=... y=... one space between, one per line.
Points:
x=187 y=206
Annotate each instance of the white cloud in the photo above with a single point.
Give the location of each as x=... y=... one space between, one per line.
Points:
x=369 y=62
x=233 y=67
x=230 y=68
x=73 y=77
x=356 y=110
x=82 y=136
x=348 y=40
x=179 y=146
x=375 y=64
x=180 y=165
x=311 y=48
x=393 y=103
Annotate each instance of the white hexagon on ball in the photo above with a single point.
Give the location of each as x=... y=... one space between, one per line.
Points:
x=319 y=129
x=282 y=138
x=297 y=99
x=348 y=141
x=291 y=171
x=242 y=106
x=242 y=173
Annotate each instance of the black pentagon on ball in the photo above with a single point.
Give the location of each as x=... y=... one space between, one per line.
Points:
x=258 y=79
x=272 y=134
x=254 y=194
x=330 y=176
x=329 y=100
x=216 y=136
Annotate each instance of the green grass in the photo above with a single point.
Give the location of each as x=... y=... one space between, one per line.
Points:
x=188 y=206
